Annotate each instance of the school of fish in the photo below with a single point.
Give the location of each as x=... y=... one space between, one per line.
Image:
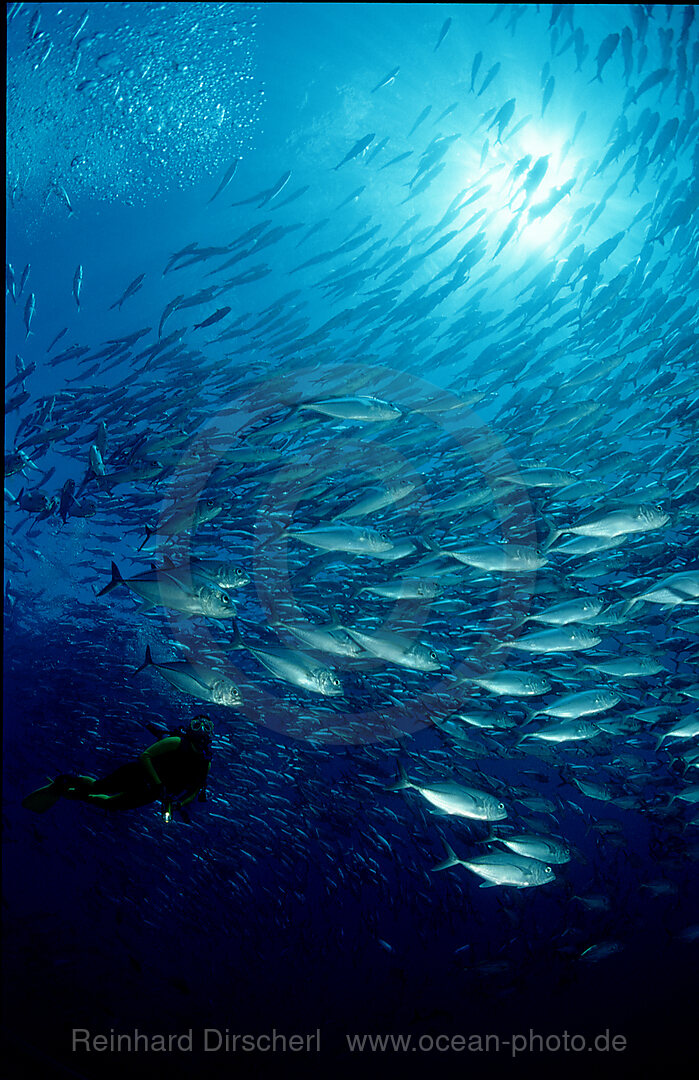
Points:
x=434 y=505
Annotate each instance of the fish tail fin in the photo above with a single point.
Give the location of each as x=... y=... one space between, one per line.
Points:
x=148 y=662
x=402 y=782
x=429 y=543
x=529 y=714
x=237 y=642
x=452 y=859
x=553 y=534
x=597 y=78
x=278 y=531
x=276 y=617
x=149 y=533
x=117 y=579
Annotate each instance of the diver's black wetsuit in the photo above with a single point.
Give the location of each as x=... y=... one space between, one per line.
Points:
x=181 y=766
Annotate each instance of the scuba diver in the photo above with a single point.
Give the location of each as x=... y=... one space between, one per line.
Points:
x=173 y=770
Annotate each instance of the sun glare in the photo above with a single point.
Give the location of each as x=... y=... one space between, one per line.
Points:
x=522 y=209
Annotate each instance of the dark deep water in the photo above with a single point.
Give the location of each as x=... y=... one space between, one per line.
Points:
x=513 y=268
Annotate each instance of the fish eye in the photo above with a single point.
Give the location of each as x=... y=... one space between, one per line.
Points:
x=549 y=870
x=501 y=806
x=224 y=599
x=336 y=681
x=433 y=655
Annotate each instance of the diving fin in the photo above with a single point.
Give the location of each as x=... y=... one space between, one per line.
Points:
x=43 y=798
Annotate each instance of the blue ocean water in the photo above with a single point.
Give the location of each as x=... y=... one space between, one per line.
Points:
x=259 y=225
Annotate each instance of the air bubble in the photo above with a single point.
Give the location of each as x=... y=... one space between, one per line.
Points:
x=176 y=66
